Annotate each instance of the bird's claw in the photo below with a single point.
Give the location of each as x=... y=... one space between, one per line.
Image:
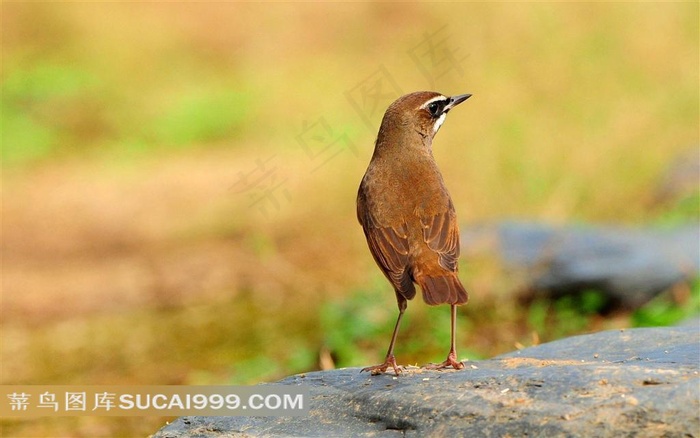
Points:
x=381 y=368
x=451 y=361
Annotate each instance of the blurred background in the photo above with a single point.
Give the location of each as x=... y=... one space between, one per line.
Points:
x=179 y=180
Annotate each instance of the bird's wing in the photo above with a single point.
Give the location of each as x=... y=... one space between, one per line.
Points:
x=389 y=246
x=441 y=233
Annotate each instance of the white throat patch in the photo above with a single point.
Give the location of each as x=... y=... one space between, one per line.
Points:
x=438 y=122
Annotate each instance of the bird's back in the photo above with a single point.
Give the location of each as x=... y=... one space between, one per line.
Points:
x=411 y=228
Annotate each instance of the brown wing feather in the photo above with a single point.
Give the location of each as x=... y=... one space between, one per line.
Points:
x=389 y=247
x=441 y=233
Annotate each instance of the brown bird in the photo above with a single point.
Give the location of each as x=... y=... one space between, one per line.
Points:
x=407 y=214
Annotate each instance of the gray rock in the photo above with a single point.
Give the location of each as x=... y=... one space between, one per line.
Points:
x=636 y=382
x=629 y=265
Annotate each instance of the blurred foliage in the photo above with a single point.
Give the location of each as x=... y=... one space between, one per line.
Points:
x=202 y=117
x=664 y=310
x=684 y=210
x=131 y=252
x=566 y=315
x=37 y=102
x=347 y=324
x=51 y=108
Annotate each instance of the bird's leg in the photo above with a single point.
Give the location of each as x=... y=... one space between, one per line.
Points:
x=390 y=360
x=451 y=360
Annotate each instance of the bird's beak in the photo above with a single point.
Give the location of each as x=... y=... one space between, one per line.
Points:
x=456 y=100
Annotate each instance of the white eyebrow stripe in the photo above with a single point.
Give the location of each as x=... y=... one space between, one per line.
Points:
x=434 y=99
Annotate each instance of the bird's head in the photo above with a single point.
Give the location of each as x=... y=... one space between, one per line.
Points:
x=422 y=112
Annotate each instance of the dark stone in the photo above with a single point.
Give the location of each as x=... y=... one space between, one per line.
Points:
x=636 y=382
x=630 y=266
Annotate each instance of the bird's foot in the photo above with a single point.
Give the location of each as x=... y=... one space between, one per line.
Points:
x=379 y=369
x=451 y=361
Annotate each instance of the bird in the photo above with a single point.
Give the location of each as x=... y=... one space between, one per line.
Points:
x=407 y=214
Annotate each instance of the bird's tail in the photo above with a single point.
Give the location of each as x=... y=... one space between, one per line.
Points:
x=443 y=290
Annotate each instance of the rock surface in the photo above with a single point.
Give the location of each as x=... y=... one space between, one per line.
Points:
x=629 y=265
x=634 y=382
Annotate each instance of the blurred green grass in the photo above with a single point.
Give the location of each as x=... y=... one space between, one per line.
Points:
x=130 y=253
x=53 y=109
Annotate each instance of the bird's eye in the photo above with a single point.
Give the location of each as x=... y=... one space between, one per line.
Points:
x=434 y=109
